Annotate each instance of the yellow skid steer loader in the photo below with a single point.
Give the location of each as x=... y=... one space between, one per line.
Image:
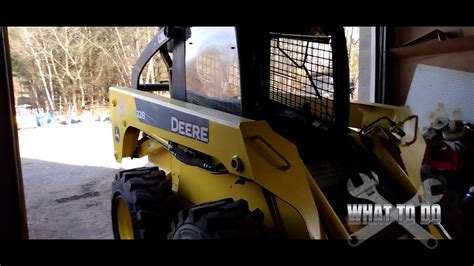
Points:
x=257 y=139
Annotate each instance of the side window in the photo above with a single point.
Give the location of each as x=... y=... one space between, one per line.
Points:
x=212 y=69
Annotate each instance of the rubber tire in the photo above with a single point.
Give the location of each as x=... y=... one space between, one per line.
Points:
x=223 y=219
x=150 y=200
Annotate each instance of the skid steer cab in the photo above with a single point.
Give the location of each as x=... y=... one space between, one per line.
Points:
x=253 y=137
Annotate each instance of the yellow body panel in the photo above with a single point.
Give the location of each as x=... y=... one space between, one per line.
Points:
x=230 y=136
x=362 y=114
x=276 y=179
x=412 y=155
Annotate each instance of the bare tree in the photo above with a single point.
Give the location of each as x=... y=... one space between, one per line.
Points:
x=39 y=64
x=71 y=67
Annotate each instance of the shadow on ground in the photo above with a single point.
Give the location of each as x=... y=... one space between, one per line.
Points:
x=66 y=201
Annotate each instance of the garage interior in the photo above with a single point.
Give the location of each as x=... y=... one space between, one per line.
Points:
x=430 y=69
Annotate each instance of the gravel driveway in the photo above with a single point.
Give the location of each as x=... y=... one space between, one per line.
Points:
x=67 y=175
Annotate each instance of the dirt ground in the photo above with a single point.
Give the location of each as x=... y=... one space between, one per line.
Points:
x=67 y=175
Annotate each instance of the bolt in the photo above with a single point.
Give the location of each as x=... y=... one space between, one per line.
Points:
x=236 y=163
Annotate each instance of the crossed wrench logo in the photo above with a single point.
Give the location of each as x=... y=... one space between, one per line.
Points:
x=368 y=191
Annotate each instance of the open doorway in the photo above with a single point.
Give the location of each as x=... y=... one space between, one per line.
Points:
x=361 y=53
x=61 y=77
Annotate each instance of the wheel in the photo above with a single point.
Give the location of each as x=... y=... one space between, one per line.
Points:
x=223 y=219
x=143 y=204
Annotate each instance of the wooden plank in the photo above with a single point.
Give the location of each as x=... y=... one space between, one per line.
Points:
x=439 y=47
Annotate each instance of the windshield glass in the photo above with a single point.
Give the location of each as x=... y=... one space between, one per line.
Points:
x=212 y=68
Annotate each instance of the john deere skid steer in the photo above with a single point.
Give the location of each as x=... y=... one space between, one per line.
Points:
x=256 y=140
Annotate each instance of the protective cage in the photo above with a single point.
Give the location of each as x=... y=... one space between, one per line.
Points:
x=301 y=73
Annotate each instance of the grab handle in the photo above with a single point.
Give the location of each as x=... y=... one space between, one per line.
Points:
x=287 y=163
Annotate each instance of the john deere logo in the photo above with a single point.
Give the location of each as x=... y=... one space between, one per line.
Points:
x=190 y=130
x=117 y=134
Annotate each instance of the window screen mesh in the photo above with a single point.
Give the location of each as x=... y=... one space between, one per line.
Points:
x=298 y=64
